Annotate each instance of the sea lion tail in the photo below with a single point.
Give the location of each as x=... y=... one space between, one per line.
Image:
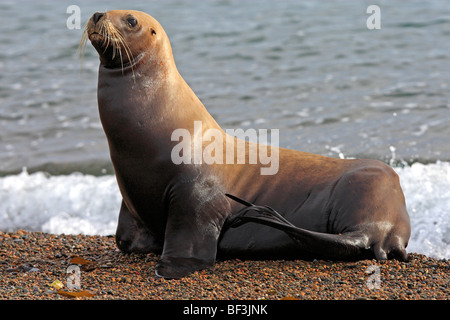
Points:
x=330 y=246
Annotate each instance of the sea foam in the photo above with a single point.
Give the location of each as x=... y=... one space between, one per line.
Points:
x=70 y=204
x=427 y=194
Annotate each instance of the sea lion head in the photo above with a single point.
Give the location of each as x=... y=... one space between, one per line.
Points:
x=124 y=38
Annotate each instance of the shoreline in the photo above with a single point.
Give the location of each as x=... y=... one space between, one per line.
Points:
x=33 y=264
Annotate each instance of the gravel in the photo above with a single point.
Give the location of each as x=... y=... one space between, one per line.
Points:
x=34 y=265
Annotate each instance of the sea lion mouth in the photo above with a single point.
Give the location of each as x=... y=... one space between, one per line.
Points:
x=109 y=43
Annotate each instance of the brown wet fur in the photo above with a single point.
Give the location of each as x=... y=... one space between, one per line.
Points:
x=335 y=209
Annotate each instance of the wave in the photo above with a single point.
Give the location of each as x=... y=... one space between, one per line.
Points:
x=427 y=193
x=85 y=204
x=69 y=204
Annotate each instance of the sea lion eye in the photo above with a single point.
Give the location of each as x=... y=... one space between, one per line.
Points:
x=132 y=22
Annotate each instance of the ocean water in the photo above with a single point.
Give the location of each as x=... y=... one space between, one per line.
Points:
x=311 y=69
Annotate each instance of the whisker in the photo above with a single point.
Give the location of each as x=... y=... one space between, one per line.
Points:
x=82 y=46
x=127 y=50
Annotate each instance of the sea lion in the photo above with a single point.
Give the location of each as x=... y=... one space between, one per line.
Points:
x=192 y=213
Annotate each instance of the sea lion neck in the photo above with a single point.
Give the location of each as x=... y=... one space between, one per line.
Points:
x=153 y=92
x=149 y=93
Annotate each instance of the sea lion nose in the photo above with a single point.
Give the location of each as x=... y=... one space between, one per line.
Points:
x=97 y=16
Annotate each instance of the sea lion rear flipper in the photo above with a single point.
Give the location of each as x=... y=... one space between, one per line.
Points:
x=332 y=246
x=262 y=214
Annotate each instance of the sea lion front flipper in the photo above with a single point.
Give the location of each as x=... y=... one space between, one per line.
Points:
x=132 y=234
x=192 y=231
x=187 y=248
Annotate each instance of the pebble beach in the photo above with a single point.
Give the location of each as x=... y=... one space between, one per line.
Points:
x=34 y=265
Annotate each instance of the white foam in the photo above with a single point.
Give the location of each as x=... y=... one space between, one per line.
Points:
x=84 y=204
x=71 y=204
x=427 y=193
